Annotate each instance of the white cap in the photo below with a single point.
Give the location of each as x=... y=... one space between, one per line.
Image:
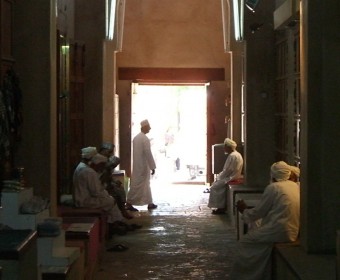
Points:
x=88 y=152
x=144 y=123
x=107 y=146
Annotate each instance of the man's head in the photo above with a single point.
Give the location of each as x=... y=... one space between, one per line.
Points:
x=107 y=149
x=229 y=145
x=98 y=162
x=145 y=126
x=295 y=173
x=280 y=171
x=88 y=152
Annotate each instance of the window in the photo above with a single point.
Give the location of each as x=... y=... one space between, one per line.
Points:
x=288 y=95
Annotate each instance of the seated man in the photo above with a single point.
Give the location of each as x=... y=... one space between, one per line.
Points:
x=279 y=209
x=232 y=170
x=88 y=189
x=107 y=149
x=114 y=187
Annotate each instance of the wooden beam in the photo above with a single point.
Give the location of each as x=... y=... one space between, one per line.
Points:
x=171 y=75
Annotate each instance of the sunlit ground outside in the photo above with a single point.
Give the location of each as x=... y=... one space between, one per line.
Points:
x=177 y=115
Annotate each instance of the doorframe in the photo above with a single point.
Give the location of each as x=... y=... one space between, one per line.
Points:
x=170 y=76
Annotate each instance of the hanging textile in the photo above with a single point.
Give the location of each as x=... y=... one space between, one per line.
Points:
x=4 y=130
x=10 y=113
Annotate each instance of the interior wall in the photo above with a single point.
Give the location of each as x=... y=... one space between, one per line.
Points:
x=172 y=34
x=90 y=29
x=109 y=81
x=320 y=119
x=260 y=93
x=33 y=52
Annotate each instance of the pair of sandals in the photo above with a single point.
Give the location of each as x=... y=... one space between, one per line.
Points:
x=117 y=248
x=122 y=228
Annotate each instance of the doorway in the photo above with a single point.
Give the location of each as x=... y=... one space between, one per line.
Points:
x=178 y=120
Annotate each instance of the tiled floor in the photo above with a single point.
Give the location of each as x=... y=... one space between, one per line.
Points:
x=181 y=239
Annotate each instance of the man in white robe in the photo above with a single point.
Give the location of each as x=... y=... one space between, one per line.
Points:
x=279 y=209
x=232 y=170
x=88 y=189
x=143 y=164
x=114 y=187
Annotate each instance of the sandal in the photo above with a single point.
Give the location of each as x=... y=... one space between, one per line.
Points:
x=117 y=248
x=131 y=208
x=206 y=190
x=116 y=229
x=136 y=226
x=126 y=215
x=152 y=206
x=218 y=211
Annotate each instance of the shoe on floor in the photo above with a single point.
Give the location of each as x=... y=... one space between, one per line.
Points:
x=207 y=190
x=126 y=215
x=152 y=206
x=116 y=229
x=218 y=211
x=117 y=248
x=133 y=227
x=136 y=226
x=131 y=208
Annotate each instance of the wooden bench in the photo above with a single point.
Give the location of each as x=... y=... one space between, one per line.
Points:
x=68 y=211
x=62 y=272
x=84 y=232
x=232 y=190
x=291 y=261
x=251 y=199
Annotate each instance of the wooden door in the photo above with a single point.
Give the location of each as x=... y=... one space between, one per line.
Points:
x=71 y=111
x=76 y=117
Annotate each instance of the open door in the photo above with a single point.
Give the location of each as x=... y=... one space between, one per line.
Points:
x=177 y=114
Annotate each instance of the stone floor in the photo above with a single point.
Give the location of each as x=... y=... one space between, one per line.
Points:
x=181 y=239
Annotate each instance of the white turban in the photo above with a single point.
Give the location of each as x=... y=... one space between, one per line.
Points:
x=144 y=123
x=230 y=143
x=98 y=158
x=280 y=171
x=88 y=152
x=107 y=146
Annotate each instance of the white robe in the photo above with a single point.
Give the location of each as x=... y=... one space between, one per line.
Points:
x=279 y=210
x=232 y=170
x=90 y=192
x=143 y=162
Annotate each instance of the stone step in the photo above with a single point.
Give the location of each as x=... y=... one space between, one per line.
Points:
x=50 y=254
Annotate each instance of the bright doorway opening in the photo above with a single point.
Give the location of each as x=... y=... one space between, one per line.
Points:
x=178 y=120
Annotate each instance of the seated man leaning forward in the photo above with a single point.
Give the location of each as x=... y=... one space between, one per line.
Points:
x=113 y=187
x=232 y=170
x=88 y=189
x=279 y=211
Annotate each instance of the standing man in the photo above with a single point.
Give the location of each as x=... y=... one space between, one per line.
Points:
x=232 y=170
x=143 y=163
